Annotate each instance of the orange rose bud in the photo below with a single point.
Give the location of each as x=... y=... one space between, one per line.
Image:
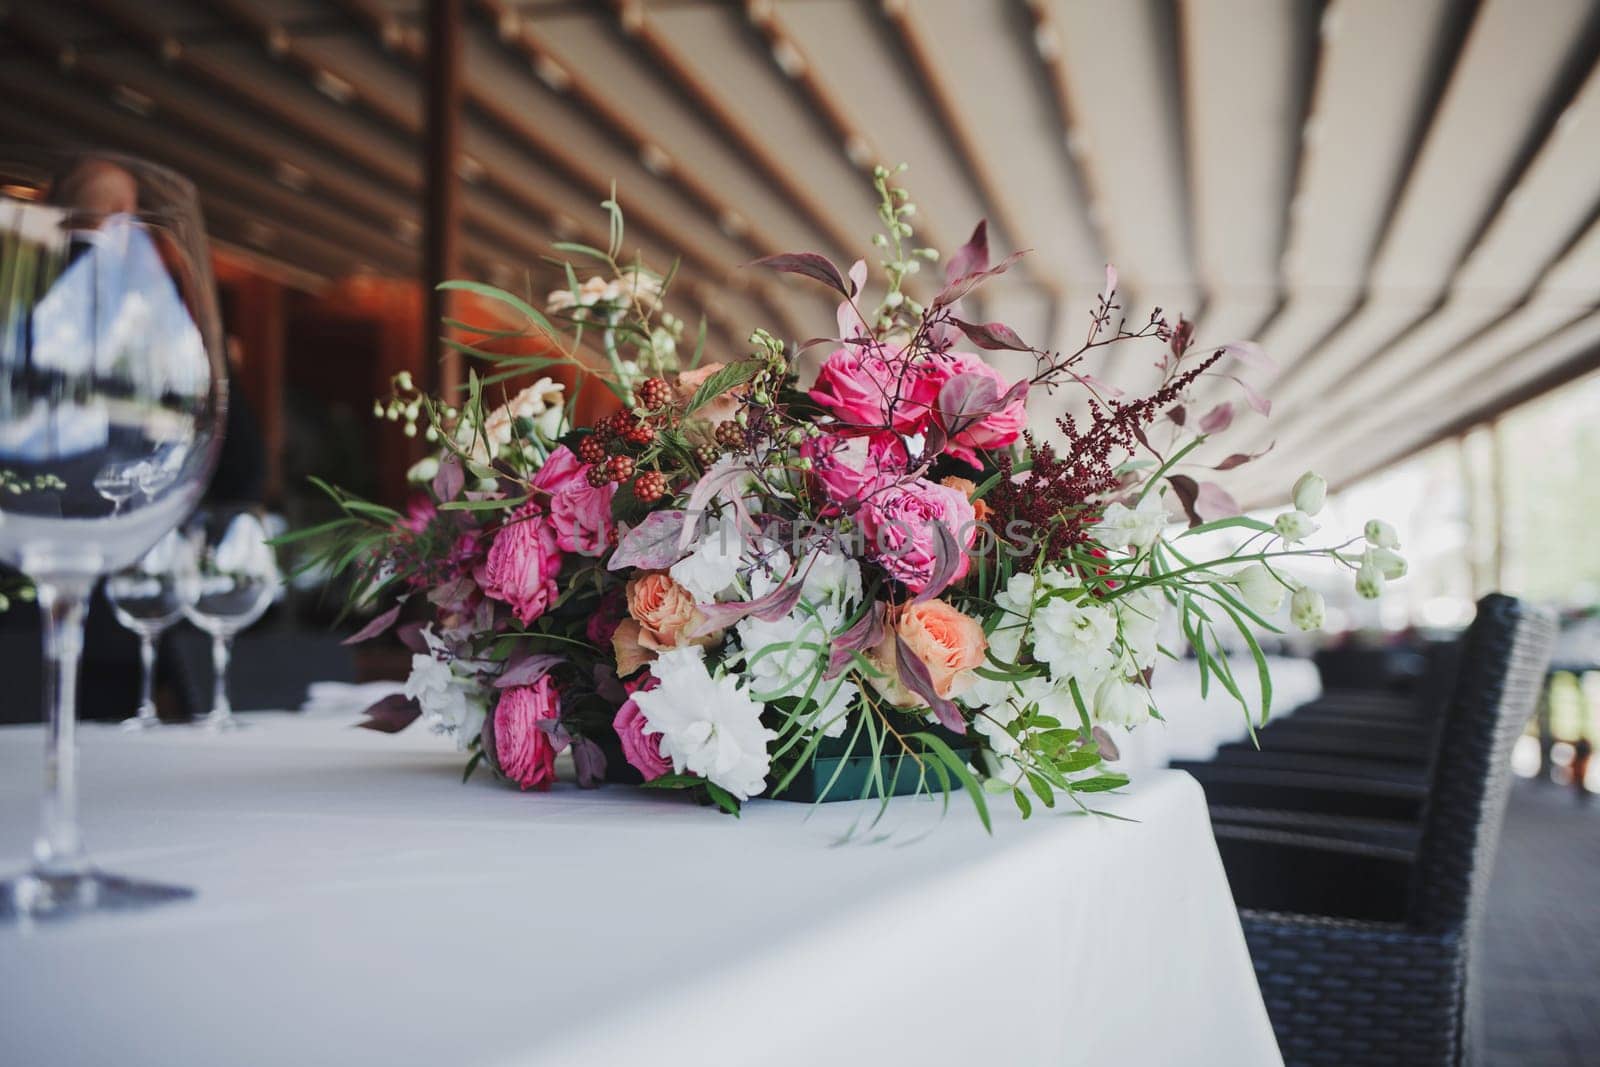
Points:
x=980 y=510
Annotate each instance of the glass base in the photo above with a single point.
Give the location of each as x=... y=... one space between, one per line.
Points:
x=64 y=896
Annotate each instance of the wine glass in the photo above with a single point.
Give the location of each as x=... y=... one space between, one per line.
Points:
x=232 y=583
x=147 y=598
x=110 y=356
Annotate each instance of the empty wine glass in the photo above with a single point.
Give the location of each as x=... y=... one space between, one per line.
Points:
x=147 y=598
x=232 y=583
x=110 y=354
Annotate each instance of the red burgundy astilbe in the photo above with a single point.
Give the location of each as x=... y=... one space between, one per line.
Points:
x=1060 y=496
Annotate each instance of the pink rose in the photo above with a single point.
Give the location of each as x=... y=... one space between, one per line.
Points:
x=898 y=521
x=580 y=513
x=849 y=468
x=523 y=562
x=640 y=746
x=871 y=388
x=522 y=749
x=419 y=514
x=602 y=625
x=993 y=431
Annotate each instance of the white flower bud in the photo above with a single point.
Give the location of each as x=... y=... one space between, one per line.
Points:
x=1120 y=703
x=1390 y=564
x=1369 y=581
x=1259 y=589
x=423 y=469
x=1306 y=609
x=1309 y=492
x=403 y=380
x=1294 y=526
x=1381 y=534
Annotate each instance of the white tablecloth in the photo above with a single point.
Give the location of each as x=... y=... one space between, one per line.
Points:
x=358 y=905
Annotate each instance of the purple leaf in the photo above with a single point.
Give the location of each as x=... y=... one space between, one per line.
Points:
x=653 y=544
x=1186 y=489
x=1177 y=413
x=994 y=336
x=970 y=257
x=858 y=277
x=1217 y=419
x=410 y=635
x=391 y=714
x=375 y=627
x=1239 y=459
x=1251 y=355
x=556 y=732
x=818 y=268
x=947 y=556
x=914 y=673
x=968 y=282
x=607 y=687
x=723 y=475
x=1107 y=747
x=525 y=670
x=1261 y=404
x=1213 y=502
x=770 y=608
x=965 y=399
x=590 y=761
x=866 y=633
x=448 y=482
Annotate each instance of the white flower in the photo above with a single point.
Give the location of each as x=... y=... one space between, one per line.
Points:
x=1390 y=564
x=423 y=470
x=1381 y=534
x=1258 y=588
x=499 y=426
x=1139 y=613
x=1294 y=526
x=1306 y=609
x=711 y=566
x=1005 y=647
x=1075 y=638
x=450 y=705
x=708 y=726
x=832 y=578
x=992 y=723
x=1120 y=703
x=1309 y=492
x=783 y=659
x=1369 y=580
x=1136 y=527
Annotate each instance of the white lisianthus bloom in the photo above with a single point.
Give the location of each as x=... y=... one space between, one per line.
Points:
x=713 y=563
x=549 y=422
x=450 y=705
x=1306 y=609
x=709 y=726
x=1369 y=580
x=1381 y=534
x=992 y=723
x=423 y=470
x=1310 y=490
x=832 y=578
x=1294 y=526
x=783 y=659
x=1139 y=614
x=1075 y=638
x=1390 y=564
x=1121 y=703
x=1137 y=527
x=1259 y=588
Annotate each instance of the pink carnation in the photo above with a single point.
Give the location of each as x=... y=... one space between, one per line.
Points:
x=870 y=388
x=523 y=562
x=522 y=749
x=640 y=747
x=898 y=521
x=580 y=513
x=993 y=431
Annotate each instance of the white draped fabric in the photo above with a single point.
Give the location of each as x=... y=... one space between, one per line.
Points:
x=357 y=905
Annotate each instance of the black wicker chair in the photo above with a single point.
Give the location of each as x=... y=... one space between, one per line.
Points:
x=1349 y=991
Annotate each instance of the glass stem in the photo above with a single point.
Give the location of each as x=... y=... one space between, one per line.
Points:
x=147 y=677
x=221 y=710
x=59 y=847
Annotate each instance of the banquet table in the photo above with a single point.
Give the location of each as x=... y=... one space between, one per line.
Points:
x=358 y=904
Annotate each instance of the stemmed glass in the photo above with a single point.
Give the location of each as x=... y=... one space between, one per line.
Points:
x=147 y=598
x=232 y=583
x=110 y=356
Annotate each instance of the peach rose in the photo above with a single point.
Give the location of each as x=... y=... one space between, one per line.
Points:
x=701 y=427
x=665 y=611
x=980 y=509
x=950 y=644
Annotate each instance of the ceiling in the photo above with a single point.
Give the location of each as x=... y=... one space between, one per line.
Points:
x=1398 y=200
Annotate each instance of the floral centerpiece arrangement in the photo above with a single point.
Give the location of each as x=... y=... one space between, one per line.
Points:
x=740 y=585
